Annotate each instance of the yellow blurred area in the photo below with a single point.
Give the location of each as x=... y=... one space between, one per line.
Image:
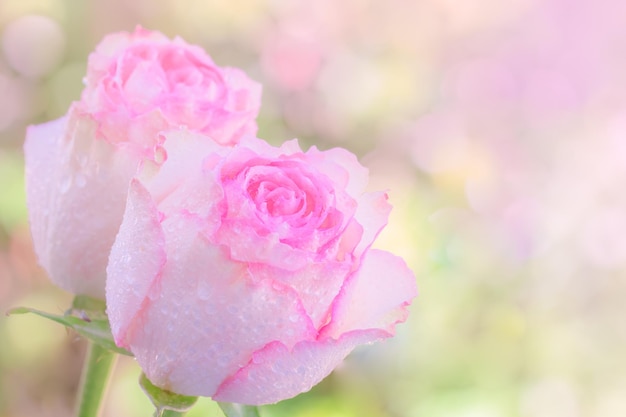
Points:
x=497 y=129
x=11 y=10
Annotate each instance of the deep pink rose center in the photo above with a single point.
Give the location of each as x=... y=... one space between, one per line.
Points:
x=277 y=192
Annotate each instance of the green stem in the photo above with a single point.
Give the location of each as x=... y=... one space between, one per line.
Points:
x=239 y=410
x=172 y=413
x=94 y=380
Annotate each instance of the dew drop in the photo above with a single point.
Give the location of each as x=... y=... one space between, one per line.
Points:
x=65 y=185
x=82 y=161
x=80 y=180
x=147 y=330
x=204 y=290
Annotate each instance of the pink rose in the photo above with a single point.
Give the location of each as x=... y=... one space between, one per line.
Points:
x=144 y=81
x=253 y=276
x=78 y=167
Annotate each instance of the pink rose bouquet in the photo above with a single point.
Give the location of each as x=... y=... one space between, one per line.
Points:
x=245 y=273
x=78 y=167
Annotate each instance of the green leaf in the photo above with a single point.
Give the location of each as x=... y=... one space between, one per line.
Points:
x=239 y=410
x=165 y=400
x=92 y=324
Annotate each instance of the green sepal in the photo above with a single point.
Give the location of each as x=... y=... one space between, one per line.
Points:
x=90 y=304
x=239 y=410
x=86 y=317
x=165 y=400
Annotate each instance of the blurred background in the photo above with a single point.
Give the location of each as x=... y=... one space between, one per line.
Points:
x=499 y=128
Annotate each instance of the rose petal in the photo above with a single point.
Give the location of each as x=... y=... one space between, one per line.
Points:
x=317 y=284
x=135 y=263
x=178 y=181
x=246 y=245
x=246 y=93
x=206 y=315
x=144 y=86
x=101 y=59
x=70 y=175
x=42 y=151
x=372 y=214
x=276 y=372
x=342 y=167
x=141 y=132
x=375 y=297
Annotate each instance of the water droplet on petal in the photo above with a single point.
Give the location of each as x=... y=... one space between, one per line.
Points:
x=65 y=185
x=80 y=180
x=204 y=290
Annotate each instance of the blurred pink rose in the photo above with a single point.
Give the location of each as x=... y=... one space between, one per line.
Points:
x=78 y=167
x=142 y=80
x=253 y=277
